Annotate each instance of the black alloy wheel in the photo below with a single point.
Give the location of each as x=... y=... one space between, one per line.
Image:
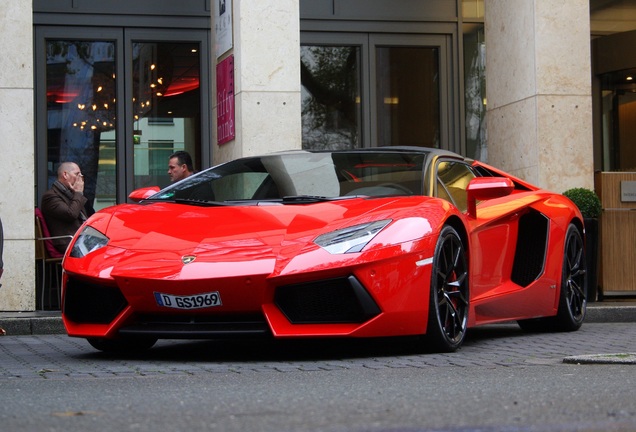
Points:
x=572 y=300
x=448 y=307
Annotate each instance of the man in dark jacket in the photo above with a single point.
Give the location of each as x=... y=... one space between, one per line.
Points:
x=63 y=204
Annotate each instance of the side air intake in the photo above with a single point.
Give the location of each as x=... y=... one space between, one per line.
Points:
x=532 y=242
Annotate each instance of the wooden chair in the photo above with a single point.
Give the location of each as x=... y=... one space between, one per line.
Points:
x=49 y=258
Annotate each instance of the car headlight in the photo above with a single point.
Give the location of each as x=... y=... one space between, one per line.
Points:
x=350 y=239
x=89 y=240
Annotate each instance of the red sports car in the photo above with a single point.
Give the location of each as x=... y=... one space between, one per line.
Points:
x=357 y=243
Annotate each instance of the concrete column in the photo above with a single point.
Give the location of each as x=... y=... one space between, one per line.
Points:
x=17 y=150
x=538 y=87
x=267 y=78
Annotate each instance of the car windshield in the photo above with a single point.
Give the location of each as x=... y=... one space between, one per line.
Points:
x=301 y=177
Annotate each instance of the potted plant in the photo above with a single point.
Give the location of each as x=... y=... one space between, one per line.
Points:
x=590 y=206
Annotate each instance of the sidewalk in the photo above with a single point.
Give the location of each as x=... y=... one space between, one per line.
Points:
x=50 y=322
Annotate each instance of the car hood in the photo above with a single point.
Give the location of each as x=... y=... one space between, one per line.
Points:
x=179 y=227
x=158 y=236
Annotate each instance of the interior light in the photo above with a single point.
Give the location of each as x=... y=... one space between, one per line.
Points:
x=152 y=67
x=629 y=78
x=99 y=88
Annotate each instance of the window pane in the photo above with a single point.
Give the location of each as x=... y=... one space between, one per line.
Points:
x=475 y=91
x=473 y=8
x=81 y=107
x=454 y=177
x=331 y=112
x=408 y=97
x=166 y=107
x=618 y=93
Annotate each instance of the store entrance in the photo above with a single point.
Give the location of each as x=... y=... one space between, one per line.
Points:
x=119 y=102
x=615 y=77
x=367 y=90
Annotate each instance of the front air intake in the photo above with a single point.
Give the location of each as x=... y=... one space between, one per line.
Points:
x=330 y=301
x=88 y=303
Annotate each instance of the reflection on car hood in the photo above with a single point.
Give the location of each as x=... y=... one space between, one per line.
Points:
x=183 y=228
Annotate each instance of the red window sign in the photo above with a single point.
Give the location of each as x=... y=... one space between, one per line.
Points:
x=225 y=125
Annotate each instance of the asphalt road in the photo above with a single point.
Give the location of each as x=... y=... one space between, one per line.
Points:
x=501 y=380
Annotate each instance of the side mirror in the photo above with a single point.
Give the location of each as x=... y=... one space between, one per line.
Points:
x=143 y=193
x=485 y=188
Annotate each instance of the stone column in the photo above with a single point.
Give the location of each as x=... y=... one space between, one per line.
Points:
x=538 y=87
x=17 y=149
x=266 y=77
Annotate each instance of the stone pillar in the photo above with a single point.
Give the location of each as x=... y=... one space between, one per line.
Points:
x=266 y=78
x=538 y=87
x=17 y=150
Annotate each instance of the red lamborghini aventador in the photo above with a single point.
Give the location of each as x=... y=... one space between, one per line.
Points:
x=359 y=243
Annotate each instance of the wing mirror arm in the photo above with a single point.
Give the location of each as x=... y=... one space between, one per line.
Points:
x=485 y=188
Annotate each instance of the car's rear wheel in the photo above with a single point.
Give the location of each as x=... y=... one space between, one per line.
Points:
x=122 y=345
x=572 y=299
x=448 y=307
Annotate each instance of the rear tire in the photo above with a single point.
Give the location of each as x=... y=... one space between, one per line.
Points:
x=572 y=300
x=448 y=305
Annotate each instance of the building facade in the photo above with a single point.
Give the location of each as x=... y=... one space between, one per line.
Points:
x=117 y=86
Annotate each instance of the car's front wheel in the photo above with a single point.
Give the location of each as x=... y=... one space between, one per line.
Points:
x=122 y=345
x=448 y=306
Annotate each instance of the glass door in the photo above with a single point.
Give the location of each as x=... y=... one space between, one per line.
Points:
x=166 y=102
x=410 y=90
x=77 y=107
x=367 y=90
x=118 y=102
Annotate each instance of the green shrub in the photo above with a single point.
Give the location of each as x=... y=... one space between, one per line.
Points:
x=586 y=200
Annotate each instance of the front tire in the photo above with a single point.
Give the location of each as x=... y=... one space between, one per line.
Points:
x=448 y=305
x=122 y=345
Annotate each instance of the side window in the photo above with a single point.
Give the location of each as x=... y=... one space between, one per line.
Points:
x=239 y=186
x=452 y=179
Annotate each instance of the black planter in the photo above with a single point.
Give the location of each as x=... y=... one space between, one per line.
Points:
x=591 y=257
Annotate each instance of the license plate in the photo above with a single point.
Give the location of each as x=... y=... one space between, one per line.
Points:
x=197 y=301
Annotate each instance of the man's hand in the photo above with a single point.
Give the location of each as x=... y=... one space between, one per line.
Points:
x=78 y=186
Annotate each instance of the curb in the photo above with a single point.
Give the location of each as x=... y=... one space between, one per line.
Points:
x=617 y=358
x=44 y=325
x=609 y=313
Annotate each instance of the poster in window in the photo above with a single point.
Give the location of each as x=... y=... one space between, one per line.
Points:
x=225 y=101
x=222 y=26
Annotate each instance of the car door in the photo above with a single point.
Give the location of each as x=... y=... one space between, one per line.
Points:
x=493 y=238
